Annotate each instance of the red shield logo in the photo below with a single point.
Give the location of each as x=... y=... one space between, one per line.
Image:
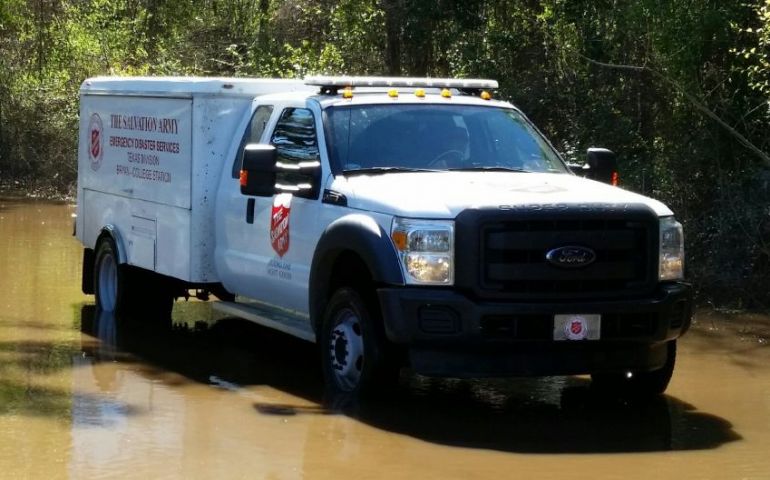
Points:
x=95 y=149
x=279 y=227
x=576 y=327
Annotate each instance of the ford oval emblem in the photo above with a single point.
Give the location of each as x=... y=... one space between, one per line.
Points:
x=571 y=256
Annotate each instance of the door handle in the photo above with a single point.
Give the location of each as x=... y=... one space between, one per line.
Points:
x=250 y=211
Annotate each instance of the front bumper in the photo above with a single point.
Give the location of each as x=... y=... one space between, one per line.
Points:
x=450 y=334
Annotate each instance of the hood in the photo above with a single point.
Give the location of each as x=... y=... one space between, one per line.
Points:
x=446 y=194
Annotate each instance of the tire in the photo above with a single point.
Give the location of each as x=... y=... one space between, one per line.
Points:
x=112 y=284
x=639 y=384
x=353 y=346
x=117 y=287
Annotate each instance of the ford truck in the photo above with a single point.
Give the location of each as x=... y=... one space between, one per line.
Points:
x=393 y=221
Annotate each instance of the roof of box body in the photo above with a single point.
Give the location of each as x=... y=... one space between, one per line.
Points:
x=187 y=86
x=274 y=89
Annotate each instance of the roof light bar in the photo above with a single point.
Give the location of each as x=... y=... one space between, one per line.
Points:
x=459 y=83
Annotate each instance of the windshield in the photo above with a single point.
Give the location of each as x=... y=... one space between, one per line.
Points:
x=371 y=138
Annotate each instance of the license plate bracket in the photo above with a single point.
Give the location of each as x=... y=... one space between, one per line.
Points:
x=577 y=326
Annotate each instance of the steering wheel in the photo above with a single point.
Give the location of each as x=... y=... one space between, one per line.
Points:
x=442 y=160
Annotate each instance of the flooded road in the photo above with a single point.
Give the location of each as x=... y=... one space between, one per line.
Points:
x=90 y=396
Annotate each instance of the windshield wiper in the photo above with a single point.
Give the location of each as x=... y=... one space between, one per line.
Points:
x=488 y=169
x=379 y=170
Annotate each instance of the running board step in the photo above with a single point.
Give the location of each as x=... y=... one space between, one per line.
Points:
x=274 y=318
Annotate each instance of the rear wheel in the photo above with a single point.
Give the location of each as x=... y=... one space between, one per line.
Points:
x=639 y=384
x=120 y=288
x=353 y=346
x=111 y=283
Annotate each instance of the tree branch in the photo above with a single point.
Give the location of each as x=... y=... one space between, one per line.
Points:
x=695 y=102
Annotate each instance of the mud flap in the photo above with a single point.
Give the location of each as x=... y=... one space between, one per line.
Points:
x=87 y=285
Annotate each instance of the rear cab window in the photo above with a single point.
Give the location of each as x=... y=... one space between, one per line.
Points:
x=253 y=134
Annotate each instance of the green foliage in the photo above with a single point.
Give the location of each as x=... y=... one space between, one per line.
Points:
x=757 y=52
x=550 y=57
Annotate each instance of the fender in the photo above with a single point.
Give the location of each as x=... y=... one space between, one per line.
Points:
x=113 y=232
x=361 y=235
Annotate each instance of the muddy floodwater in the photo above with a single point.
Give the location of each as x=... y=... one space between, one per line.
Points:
x=84 y=395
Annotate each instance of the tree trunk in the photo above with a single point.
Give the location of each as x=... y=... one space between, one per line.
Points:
x=264 y=11
x=392 y=10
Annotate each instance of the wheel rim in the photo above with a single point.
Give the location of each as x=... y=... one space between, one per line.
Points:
x=346 y=348
x=108 y=283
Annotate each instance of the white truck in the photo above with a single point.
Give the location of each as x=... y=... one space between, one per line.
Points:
x=393 y=221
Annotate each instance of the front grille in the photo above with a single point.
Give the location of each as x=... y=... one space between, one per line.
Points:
x=512 y=248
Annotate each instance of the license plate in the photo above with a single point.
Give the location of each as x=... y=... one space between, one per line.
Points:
x=577 y=326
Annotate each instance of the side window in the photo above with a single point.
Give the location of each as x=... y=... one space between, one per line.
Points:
x=296 y=142
x=253 y=134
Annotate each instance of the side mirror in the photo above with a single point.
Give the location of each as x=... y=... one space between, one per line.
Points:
x=602 y=166
x=258 y=172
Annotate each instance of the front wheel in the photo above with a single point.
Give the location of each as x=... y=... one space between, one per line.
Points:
x=353 y=346
x=639 y=384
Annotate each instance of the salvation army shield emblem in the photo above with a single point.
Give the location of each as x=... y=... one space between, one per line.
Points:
x=95 y=147
x=576 y=329
x=279 y=224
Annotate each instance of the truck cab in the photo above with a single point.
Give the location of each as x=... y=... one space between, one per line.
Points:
x=394 y=221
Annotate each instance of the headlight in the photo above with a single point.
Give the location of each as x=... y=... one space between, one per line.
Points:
x=426 y=250
x=671 y=249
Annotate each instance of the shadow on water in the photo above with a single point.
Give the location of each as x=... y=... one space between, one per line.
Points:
x=581 y=421
x=6 y=202
x=237 y=351
x=552 y=415
x=22 y=398
x=29 y=372
x=10 y=201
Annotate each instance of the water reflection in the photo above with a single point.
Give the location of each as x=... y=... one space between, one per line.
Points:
x=556 y=415
x=90 y=396
x=582 y=422
x=119 y=414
